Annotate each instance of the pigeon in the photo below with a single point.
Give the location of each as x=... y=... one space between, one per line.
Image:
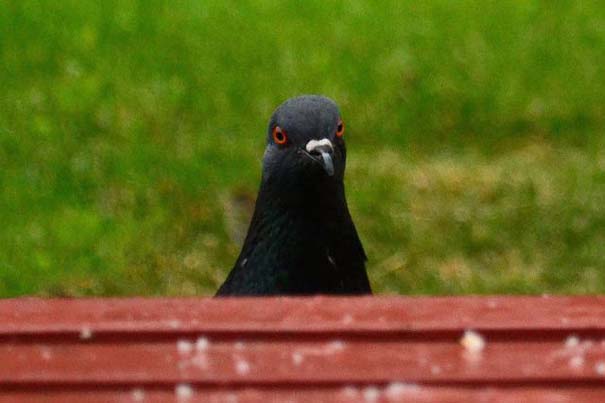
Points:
x=301 y=239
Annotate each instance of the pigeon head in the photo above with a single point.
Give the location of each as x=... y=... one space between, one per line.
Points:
x=305 y=143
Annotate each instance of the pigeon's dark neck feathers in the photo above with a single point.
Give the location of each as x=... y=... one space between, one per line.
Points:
x=297 y=245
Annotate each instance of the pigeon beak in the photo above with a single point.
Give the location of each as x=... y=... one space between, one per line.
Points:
x=321 y=151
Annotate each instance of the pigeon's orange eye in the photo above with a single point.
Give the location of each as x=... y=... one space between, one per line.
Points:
x=340 y=129
x=279 y=136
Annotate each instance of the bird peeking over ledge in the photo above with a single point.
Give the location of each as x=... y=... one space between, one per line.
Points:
x=301 y=240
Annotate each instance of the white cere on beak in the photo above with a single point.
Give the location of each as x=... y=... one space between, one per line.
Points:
x=319 y=147
x=313 y=144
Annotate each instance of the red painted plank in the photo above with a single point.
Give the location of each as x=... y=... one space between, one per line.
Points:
x=322 y=362
x=319 y=314
x=342 y=394
x=307 y=349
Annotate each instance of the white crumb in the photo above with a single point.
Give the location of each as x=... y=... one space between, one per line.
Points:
x=350 y=391
x=85 y=333
x=202 y=344
x=600 y=368
x=184 y=347
x=347 y=319
x=572 y=341
x=138 y=395
x=297 y=358
x=335 y=346
x=183 y=391
x=46 y=354
x=371 y=394
x=472 y=342
x=242 y=367
x=396 y=390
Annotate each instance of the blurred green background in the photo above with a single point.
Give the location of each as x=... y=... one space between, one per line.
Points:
x=131 y=134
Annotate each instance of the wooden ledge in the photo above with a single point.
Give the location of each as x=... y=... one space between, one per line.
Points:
x=308 y=349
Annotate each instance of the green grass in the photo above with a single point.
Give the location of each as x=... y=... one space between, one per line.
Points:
x=131 y=134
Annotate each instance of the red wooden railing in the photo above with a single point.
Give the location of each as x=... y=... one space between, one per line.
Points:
x=372 y=349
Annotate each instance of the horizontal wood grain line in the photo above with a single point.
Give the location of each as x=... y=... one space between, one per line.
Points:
x=293 y=361
x=305 y=315
x=394 y=392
